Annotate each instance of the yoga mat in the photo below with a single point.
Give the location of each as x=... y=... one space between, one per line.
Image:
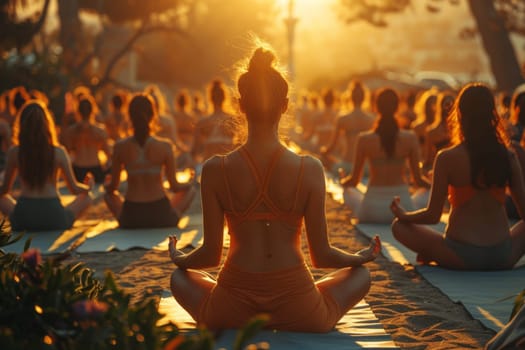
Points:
x=50 y=242
x=107 y=236
x=358 y=329
x=392 y=249
x=487 y=295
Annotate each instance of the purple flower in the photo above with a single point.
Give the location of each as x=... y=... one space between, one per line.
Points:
x=32 y=257
x=89 y=309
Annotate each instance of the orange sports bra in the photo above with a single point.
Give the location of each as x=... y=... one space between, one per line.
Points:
x=274 y=213
x=460 y=195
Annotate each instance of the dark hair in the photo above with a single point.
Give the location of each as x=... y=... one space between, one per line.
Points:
x=34 y=133
x=478 y=126
x=217 y=92
x=329 y=97
x=85 y=107
x=263 y=89
x=117 y=101
x=182 y=99
x=358 y=93
x=141 y=113
x=386 y=127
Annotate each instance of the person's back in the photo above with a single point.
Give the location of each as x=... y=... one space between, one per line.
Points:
x=143 y=165
x=38 y=159
x=264 y=194
x=385 y=170
x=474 y=174
x=388 y=151
x=354 y=123
x=261 y=191
x=215 y=133
x=477 y=216
x=84 y=140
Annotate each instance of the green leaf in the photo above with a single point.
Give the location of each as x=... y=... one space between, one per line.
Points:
x=250 y=330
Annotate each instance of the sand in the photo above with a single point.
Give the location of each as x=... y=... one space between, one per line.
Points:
x=412 y=311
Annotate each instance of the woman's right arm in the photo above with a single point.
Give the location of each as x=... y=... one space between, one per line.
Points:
x=438 y=194
x=210 y=252
x=116 y=168
x=414 y=161
x=10 y=171
x=359 y=163
x=517 y=186
x=322 y=253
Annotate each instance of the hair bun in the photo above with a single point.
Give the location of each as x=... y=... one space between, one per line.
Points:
x=261 y=60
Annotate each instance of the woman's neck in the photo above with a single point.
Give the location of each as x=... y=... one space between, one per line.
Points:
x=262 y=136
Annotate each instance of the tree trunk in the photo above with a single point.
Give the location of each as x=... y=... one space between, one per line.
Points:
x=496 y=42
x=70 y=30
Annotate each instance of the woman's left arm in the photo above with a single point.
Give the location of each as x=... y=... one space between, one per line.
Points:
x=11 y=169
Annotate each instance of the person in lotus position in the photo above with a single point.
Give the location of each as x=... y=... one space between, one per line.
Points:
x=265 y=192
x=474 y=173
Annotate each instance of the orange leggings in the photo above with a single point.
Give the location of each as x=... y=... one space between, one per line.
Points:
x=290 y=297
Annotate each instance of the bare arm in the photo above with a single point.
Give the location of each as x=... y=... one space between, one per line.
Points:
x=517 y=187
x=209 y=253
x=338 y=130
x=322 y=253
x=116 y=169
x=11 y=169
x=64 y=164
x=438 y=195
x=415 y=169
x=169 y=163
x=359 y=163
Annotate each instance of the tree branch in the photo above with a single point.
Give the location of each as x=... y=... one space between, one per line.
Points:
x=144 y=29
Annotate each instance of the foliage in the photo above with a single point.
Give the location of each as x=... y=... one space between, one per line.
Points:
x=50 y=304
x=519 y=302
x=16 y=32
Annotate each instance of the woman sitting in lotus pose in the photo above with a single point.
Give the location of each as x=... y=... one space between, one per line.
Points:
x=265 y=192
x=39 y=159
x=146 y=159
x=474 y=173
x=388 y=149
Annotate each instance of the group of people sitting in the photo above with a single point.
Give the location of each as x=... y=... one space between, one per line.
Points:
x=266 y=194
x=137 y=141
x=457 y=156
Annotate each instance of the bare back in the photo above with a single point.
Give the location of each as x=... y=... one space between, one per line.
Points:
x=85 y=140
x=481 y=220
x=352 y=124
x=266 y=244
x=385 y=171
x=144 y=166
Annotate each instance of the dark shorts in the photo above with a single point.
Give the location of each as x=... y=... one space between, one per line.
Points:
x=148 y=214
x=40 y=214
x=98 y=173
x=494 y=257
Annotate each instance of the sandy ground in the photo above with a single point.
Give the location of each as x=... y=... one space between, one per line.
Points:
x=412 y=311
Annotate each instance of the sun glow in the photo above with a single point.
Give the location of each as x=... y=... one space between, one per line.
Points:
x=304 y=8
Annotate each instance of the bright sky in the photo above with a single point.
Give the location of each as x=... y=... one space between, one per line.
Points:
x=413 y=40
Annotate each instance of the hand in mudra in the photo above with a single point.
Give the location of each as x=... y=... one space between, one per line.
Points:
x=172 y=248
x=372 y=251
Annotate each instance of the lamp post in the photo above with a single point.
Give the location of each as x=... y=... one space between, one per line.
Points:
x=290 y=21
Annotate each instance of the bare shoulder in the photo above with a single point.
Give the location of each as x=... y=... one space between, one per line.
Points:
x=60 y=153
x=211 y=171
